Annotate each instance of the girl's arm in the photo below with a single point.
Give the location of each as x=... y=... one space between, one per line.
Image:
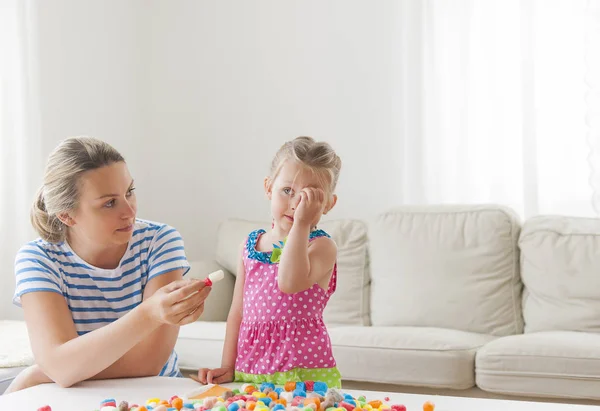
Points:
x=227 y=371
x=67 y=358
x=303 y=264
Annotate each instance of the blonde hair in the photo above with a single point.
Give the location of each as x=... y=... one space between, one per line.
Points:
x=317 y=156
x=60 y=191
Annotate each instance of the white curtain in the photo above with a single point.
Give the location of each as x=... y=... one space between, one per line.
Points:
x=20 y=162
x=495 y=100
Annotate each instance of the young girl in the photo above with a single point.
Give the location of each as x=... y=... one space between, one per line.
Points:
x=275 y=330
x=102 y=292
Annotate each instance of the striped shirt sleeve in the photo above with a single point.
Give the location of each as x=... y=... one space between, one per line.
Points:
x=35 y=271
x=166 y=253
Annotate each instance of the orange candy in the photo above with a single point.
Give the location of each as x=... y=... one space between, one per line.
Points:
x=375 y=404
x=177 y=403
x=289 y=386
x=428 y=406
x=250 y=389
x=250 y=406
x=273 y=395
x=281 y=401
x=142 y=408
x=315 y=401
x=164 y=402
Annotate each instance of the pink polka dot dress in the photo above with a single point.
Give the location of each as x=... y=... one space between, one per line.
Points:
x=282 y=336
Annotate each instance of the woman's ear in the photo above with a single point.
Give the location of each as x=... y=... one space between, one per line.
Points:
x=268 y=183
x=331 y=203
x=66 y=219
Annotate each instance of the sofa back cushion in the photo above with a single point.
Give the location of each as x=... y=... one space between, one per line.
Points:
x=451 y=267
x=349 y=305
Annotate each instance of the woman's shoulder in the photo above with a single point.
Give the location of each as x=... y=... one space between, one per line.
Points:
x=40 y=249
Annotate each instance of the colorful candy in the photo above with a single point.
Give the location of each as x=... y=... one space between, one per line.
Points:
x=292 y=396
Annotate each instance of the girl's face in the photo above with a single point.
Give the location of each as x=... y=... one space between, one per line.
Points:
x=107 y=206
x=284 y=192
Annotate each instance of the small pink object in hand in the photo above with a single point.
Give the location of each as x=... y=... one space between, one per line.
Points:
x=214 y=277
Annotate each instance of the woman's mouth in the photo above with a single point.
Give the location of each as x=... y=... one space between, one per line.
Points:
x=126 y=229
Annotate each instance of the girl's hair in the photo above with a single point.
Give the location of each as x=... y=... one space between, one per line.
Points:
x=317 y=156
x=60 y=191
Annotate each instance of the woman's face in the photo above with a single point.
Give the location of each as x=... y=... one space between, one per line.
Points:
x=106 y=207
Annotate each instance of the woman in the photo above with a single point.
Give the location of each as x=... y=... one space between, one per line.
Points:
x=102 y=291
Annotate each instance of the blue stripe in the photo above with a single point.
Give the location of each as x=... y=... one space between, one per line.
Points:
x=36 y=279
x=143 y=230
x=33 y=260
x=103 y=298
x=56 y=260
x=140 y=242
x=94 y=320
x=103 y=289
x=30 y=269
x=164 y=367
x=168 y=270
x=103 y=309
x=130 y=259
x=80 y=333
x=31 y=290
x=170 y=250
x=172 y=230
x=157 y=249
x=168 y=260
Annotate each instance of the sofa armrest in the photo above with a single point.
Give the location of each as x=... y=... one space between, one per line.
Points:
x=216 y=306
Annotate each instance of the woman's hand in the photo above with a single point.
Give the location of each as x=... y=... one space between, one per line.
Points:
x=178 y=303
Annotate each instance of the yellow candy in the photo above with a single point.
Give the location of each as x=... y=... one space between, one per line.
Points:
x=385 y=407
x=258 y=394
x=368 y=407
x=260 y=404
x=153 y=400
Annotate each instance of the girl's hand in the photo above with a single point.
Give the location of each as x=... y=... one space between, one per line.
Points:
x=178 y=303
x=216 y=375
x=310 y=207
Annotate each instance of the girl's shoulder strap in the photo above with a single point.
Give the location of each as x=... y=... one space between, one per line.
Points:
x=317 y=234
x=252 y=252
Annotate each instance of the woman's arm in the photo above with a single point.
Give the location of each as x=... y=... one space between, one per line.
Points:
x=67 y=358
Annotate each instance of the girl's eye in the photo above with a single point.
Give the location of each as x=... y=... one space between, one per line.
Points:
x=287 y=190
x=110 y=204
x=130 y=191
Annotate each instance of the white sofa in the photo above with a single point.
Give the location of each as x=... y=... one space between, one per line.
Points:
x=457 y=298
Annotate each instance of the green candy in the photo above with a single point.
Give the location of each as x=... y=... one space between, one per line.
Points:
x=220 y=408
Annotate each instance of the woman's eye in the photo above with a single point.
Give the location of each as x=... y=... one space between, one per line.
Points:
x=287 y=190
x=130 y=191
x=110 y=204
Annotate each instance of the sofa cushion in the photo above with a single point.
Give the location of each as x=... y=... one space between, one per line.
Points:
x=399 y=355
x=15 y=349
x=414 y=356
x=546 y=364
x=560 y=267
x=200 y=344
x=350 y=303
x=447 y=267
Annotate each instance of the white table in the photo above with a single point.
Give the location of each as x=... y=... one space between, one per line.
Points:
x=88 y=395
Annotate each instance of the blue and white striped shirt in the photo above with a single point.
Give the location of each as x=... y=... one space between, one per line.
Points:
x=97 y=296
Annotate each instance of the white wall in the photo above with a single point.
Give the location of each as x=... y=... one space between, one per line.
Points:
x=231 y=81
x=198 y=95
